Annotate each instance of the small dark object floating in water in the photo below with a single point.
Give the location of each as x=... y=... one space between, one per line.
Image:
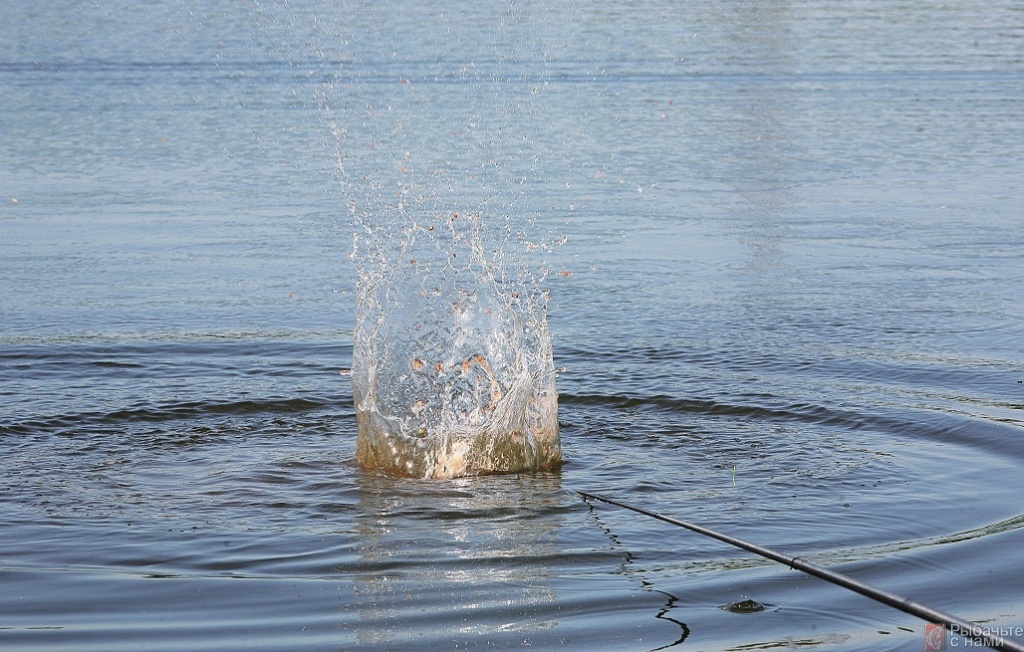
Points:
x=747 y=606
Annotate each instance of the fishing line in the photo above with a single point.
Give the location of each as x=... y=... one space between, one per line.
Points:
x=967 y=629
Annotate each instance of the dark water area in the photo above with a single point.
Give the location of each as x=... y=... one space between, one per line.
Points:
x=788 y=307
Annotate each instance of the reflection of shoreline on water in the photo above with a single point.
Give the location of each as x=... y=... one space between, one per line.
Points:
x=470 y=548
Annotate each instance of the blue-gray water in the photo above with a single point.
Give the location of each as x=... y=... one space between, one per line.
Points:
x=789 y=307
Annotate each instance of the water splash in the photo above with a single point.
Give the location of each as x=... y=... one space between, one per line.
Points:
x=452 y=369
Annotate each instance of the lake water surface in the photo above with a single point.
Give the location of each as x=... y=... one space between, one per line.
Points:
x=789 y=307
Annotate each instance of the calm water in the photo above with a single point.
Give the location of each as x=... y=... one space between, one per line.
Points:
x=788 y=307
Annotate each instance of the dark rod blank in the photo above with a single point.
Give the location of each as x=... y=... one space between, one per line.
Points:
x=929 y=614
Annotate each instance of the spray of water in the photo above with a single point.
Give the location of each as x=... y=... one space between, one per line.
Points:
x=452 y=369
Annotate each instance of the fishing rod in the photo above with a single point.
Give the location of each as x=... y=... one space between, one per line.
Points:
x=968 y=629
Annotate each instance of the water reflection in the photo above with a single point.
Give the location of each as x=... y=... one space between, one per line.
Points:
x=629 y=569
x=761 y=151
x=761 y=136
x=466 y=560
